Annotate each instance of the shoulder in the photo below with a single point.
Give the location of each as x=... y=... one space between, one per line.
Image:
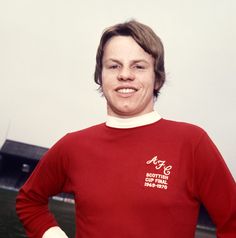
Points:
x=182 y=129
x=87 y=131
x=183 y=126
x=81 y=135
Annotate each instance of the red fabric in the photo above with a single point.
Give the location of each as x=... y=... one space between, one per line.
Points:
x=139 y=182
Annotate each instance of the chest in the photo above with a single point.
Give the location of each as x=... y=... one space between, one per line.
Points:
x=130 y=174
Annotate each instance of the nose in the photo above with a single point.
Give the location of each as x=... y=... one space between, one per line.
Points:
x=126 y=74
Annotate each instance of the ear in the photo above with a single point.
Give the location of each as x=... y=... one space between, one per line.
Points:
x=100 y=89
x=156 y=84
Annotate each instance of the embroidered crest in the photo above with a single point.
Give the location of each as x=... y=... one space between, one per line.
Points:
x=160 y=179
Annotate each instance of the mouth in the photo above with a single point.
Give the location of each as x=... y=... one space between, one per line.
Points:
x=128 y=90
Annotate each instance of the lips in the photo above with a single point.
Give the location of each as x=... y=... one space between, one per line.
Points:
x=126 y=90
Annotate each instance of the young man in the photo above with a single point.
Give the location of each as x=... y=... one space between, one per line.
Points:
x=137 y=175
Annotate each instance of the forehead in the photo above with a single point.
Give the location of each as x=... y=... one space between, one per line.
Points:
x=124 y=48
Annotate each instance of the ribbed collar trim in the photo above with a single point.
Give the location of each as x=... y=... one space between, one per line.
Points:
x=132 y=122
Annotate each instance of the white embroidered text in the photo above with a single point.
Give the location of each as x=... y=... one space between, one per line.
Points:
x=160 y=164
x=158 y=180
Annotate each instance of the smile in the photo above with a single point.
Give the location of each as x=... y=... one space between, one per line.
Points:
x=126 y=90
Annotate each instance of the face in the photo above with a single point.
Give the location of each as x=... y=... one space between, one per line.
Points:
x=128 y=78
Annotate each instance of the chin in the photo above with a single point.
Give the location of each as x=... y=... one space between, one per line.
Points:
x=128 y=113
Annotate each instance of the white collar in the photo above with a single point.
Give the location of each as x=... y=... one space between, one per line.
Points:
x=132 y=122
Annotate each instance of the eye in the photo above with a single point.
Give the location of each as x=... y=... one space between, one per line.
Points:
x=113 y=66
x=139 y=66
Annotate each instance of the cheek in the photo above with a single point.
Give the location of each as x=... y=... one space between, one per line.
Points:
x=104 y=78
x=106 y=86
x=108 y=82
x=150 y=83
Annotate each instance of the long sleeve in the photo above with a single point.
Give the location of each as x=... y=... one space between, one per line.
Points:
x=216 y=188
x=48 y=179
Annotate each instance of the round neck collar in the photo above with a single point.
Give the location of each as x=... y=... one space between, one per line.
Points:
x=148 y=118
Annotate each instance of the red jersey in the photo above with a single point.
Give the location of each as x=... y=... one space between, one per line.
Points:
x=141 y=182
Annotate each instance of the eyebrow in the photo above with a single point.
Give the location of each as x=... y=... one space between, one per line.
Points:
x=133 y=61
